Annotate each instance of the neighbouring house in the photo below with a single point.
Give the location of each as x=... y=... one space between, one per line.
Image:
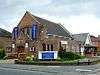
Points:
x=5 y=40
x=86 y=46
x=75 y=46
x=94 y=40
x=96 y=43
x=34 y=34
x=98 y=51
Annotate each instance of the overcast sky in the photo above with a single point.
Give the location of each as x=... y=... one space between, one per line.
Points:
x=78 y=16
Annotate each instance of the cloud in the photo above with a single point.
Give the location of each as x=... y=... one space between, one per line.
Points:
x=10 y=24
x=13 y=10
x=84 y=23
x=25 y=2
x=11 y=7
x=70 y=13
x=72 y=7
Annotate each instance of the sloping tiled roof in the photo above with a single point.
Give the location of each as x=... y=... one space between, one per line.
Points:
x=80 y=37
x=54 y=28
x=4 y=33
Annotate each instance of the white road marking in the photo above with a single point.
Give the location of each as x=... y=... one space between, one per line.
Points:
x=54 y=66
x=83 y=70
x=91 y=74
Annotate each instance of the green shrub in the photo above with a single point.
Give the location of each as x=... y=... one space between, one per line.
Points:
x=62 y=54
x=72 y=56
x=2 y=53
x=58 y=59
x=69 y=55
x=30 y=58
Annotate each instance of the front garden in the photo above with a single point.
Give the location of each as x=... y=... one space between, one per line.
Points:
x=64 y=58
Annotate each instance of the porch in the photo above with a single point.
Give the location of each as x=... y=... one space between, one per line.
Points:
x=90 y=51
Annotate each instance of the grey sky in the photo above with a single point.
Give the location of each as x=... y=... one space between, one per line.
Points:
x=75 y=15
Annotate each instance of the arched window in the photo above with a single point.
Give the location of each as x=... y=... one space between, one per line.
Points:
x=34 y=32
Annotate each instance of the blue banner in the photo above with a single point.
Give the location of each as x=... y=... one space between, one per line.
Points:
x=15 y=33
x=48 y=55
x=34 y=32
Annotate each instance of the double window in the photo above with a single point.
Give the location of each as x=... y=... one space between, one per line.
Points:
x=33 y=49
x=47 y=47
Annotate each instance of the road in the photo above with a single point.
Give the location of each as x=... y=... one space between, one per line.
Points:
x=12 y=69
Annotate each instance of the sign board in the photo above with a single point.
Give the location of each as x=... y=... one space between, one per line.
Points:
x=47 y=54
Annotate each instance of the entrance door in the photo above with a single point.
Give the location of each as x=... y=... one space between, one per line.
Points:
x=21 y=53
x=20 y=49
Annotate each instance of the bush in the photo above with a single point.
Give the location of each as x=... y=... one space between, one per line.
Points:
x=2 y=53
x=69 y=55
x=62 y=54
x=58 y=59
x=72 y=56
x=29 y=58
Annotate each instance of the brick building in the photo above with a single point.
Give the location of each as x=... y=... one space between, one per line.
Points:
x=85 y=45
x=89 y=44
x=96 y=43
x=34 y=34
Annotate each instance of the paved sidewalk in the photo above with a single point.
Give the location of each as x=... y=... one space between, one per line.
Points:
x=10 y=61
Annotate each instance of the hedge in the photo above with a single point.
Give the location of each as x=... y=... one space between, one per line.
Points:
x=69 y=56
x=2 y=53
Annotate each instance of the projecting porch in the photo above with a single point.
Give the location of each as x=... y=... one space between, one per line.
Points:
x=90 y=51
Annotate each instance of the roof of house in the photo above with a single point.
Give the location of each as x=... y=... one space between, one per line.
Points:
x=53 y=28
x=4 y=33
x=80 y=37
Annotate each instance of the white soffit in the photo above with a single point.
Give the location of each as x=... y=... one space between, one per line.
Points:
x=64 y=42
